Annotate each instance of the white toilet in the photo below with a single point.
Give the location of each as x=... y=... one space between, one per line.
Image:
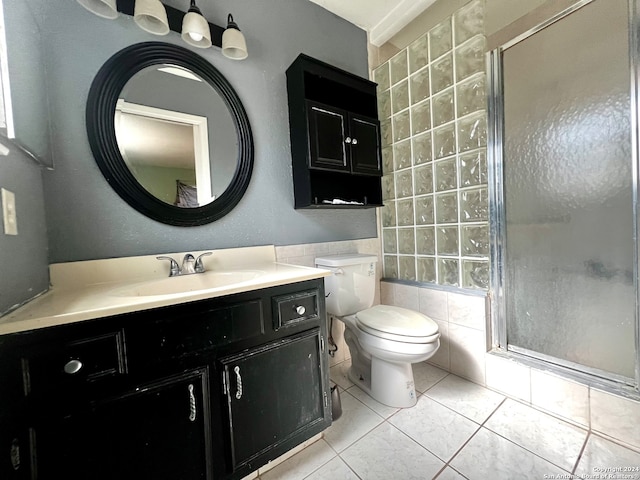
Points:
x=383 y=340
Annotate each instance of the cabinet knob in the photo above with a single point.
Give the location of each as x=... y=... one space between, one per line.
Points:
x=72 y=366
x=354 y=141
x=300 y=310
x=347 y=140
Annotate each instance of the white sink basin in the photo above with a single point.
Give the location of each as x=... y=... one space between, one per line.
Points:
x=187 y=283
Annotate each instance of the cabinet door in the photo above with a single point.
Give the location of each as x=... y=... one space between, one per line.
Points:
x=274 y=393
x=327 y=137
x=158 y=430
x=365 y=145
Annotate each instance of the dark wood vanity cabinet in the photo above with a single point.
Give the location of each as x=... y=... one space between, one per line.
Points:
x=335 y=136
x=155 y=430
x=210 y=390
x=266 y=403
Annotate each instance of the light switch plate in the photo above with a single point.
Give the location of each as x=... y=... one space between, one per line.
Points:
x=9 y=213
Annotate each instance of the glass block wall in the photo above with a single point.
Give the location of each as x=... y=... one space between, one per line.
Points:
x=432 y=107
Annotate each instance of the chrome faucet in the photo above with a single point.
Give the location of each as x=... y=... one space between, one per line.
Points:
x=190 y=264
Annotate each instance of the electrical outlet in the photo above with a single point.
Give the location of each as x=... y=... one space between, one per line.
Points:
x=9 y=213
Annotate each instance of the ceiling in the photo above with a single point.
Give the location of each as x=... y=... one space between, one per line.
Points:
x=382 y=19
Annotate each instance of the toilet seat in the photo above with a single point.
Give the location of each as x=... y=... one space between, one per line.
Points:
x=397 y=324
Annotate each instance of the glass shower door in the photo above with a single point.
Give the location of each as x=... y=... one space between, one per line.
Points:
x=568 y=193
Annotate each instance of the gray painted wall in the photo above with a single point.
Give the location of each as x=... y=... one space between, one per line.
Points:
x=23 y=258
x=88 y=220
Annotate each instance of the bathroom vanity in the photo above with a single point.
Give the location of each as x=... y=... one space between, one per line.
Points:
x=210 y=383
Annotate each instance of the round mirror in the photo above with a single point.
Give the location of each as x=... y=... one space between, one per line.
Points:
x=170 y=134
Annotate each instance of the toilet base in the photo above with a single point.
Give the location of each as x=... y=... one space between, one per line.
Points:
x=391 y=384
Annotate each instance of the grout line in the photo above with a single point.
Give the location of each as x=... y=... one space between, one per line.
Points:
x=584 y=446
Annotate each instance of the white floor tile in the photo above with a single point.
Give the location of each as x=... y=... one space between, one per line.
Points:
x=450 y=474
x=467 y=398
x=426 y=376
x=383 y=410
x=557 y=441
x=600 y=453
x=357 y=419
x=336 y=469
x=387 y=453
x=489 y=456
x=301 y=464
x=339 y=374
x=439 y=429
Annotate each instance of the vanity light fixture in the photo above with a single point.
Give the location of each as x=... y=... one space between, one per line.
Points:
x=102 y=8
x=234 y=45
x=195 y=28
x=157 y=18
x=151 y=16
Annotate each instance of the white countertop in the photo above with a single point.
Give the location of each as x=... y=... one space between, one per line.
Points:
x=102 y=288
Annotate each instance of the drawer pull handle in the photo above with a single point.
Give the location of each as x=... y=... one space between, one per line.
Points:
x=300 y=310
x=238 y=383
x=72 y=367
x=192 y=404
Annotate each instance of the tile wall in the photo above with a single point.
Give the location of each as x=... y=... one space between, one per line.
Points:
x=462 y=319
x=432 y=107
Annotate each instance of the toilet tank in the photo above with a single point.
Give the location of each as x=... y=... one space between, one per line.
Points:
x=352 y=286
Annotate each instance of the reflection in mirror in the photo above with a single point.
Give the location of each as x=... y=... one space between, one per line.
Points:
x=176 y=135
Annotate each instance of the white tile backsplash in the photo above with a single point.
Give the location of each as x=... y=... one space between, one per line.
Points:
x=508 y=377
x=433 y=303
x=441 y=358
x=616 y=417
x=467 y=349
x=560 y=397
x=406 y=296
x=467 y=310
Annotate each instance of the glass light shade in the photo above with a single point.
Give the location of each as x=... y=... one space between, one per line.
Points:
x=102 y=8
x=195 y=30
x=234 y=45
x=151 y=16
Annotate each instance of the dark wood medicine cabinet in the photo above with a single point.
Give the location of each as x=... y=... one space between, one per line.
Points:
x=335 y=136
x=207 y=390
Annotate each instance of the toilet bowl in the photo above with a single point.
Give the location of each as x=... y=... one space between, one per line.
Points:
x=384 y=340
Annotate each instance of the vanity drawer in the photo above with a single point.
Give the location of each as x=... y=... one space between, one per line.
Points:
x=194 y=332
x=296 y=308
x=75 y=363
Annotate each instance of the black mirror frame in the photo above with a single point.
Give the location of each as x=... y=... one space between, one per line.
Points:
x=101 y=106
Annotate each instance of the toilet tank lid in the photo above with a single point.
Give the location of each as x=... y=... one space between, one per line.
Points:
x=345 y=259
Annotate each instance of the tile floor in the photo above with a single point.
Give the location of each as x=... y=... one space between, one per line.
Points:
x=457 y=430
